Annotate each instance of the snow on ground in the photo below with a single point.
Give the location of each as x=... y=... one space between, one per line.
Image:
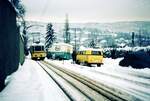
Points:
x=110 y=65
x=31 y=83
x=117 y=76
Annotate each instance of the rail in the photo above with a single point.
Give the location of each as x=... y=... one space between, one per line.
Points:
x=90 y=88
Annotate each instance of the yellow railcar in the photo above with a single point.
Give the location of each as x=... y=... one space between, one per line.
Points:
x=90 y=56
x=37 y=52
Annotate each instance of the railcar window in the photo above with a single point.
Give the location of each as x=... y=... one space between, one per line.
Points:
x=80 y=52
x=83 y=52
x=42 y=47
x=96 y=52
x=37 y=48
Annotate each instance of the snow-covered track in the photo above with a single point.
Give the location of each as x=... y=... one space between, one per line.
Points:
x=55 y=80
x=138 y=80
x=131 y=83
x=91 y=89
x=73 y=93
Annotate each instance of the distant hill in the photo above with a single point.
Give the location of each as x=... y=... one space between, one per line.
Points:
x=118 y=26
x=105 y=32
x=126 y=26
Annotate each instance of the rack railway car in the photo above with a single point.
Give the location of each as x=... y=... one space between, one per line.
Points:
x=37 y=52
x=90 y=56
x=61 y=51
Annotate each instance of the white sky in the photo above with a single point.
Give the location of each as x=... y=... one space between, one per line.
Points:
x=87 y=10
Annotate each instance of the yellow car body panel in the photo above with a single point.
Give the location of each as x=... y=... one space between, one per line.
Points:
x=89 y=57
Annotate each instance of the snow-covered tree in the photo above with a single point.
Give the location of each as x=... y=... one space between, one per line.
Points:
x=9 y=41
x=92 y=44
x=20 y=9
x=49 y=39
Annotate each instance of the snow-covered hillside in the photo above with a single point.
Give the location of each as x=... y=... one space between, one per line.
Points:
x=104 y=34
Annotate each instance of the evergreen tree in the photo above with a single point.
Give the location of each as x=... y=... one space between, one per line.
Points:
x=49 y=39
x=20 y=9
x=9 y=41
x=92 y=44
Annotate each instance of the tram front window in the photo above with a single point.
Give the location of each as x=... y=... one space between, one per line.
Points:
x=37 y=48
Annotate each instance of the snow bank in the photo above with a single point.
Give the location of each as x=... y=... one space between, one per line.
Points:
x=31 y=83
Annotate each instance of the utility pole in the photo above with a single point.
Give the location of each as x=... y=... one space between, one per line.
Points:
x=140 y=38
x=67 y=33
x=133 y=34
x=75 y=39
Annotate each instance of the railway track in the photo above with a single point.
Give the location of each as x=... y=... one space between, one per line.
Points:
x=78 y=87
x=135 y=78
x=144 y=82
x=137 y=85
x=134 y=82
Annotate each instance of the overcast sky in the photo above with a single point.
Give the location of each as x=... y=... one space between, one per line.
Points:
x=87 y=10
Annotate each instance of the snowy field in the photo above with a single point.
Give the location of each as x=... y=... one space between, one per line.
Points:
x=31 y=83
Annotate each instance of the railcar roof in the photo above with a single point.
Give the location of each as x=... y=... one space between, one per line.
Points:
x=92 y=49
x=63 y=44
x=35 y=44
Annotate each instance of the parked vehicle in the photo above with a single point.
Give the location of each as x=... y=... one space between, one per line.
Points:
x=90 y=56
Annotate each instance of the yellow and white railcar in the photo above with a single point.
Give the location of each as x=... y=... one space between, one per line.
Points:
x=37 y=52
x=60 y=51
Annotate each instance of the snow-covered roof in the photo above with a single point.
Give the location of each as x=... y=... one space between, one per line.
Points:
x=63 y=44
x=37 y=44
x=92 y=49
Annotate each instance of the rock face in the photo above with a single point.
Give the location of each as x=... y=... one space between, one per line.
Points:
x=9 y=40
x=139 y=59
